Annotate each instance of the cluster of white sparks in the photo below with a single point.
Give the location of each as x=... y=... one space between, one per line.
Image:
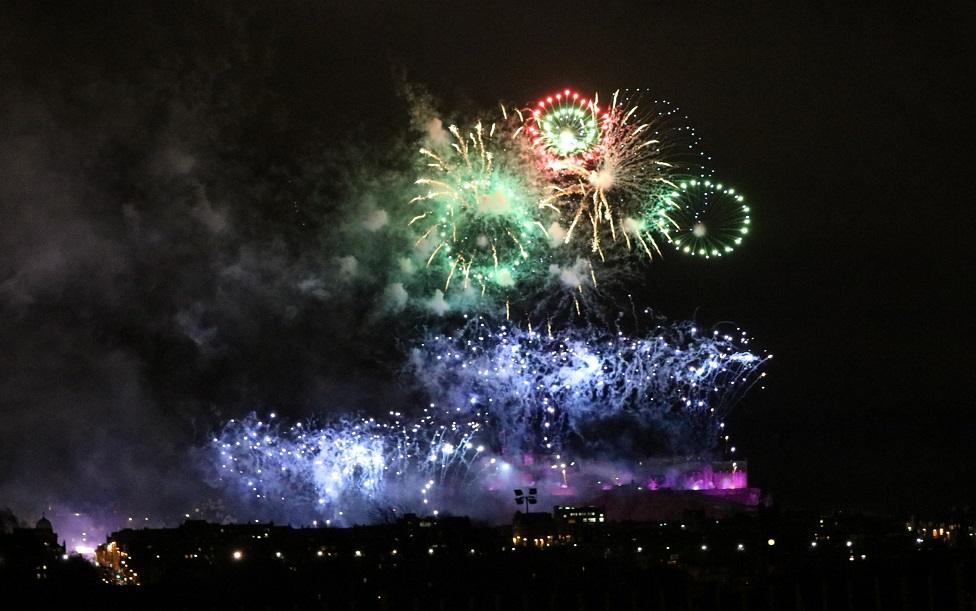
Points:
x=348 y=465
x=537 y=390
x=499 y=392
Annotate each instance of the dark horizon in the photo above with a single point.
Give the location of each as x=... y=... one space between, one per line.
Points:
x=167 y=178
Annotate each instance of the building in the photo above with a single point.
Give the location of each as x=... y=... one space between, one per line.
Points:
x=31 y=552
x=197 y=548
x=572 y=516
x=536 y=530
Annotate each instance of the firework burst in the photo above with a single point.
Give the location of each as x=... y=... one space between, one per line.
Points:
x=614 y=195
x=566 y=126
x=477 y=221
x=707 y=219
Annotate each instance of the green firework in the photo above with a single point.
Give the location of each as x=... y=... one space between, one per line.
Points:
x=706 y=218
x=477 y=223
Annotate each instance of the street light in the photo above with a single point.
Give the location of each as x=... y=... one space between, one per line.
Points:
x=526 y=499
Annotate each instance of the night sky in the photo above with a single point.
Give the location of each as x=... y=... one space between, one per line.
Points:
x=170 y=173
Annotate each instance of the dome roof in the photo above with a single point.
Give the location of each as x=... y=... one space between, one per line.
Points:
x=44 y=524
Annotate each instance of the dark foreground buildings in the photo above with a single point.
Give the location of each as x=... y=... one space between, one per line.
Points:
x=576 y=558
x=32 y=556
x=31 y=552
